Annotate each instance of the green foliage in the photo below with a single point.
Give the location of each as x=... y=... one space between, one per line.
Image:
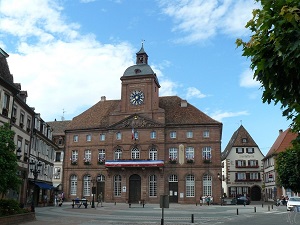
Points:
x=10 y=207
x=8 y=161
x=288 y=167
x=274 y=49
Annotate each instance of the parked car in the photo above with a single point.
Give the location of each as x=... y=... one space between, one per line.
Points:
x=293 y=201
x=242 y=200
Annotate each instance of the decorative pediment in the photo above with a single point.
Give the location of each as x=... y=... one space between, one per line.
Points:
x=135 y=121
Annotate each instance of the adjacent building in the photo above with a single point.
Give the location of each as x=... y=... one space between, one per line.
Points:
x=242 y=169
x=143 y=146
x=283 y=141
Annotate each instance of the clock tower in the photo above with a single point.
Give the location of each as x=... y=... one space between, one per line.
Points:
x=140 y=88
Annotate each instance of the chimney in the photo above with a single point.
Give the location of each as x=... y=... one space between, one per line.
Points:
x=103 y=98
x=280 y=131
x=183 y=103
x=23 y=95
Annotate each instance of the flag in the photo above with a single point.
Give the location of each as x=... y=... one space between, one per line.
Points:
x=132 y=133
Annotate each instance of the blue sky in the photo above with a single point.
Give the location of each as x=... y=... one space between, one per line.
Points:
x=69 y=53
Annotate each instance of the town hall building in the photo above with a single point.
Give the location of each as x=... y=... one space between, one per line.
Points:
x=142 y=146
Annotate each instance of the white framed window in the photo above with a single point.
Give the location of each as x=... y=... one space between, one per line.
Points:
x=102 y=137
x=56 y=172
x=74 y=156
x=118 y=154
x=153 y=154
x=240 y=163
x=135 y=153
x=207 y=185
x=100 y=178
x=73 y=185
x=190 y=185
x=250 y=150
x=153 y=134
x=189 y=134
x=173 y=134
x=101 y=155
x=136 y=135
x=88 y=137
x=118 y=136
x=206 y=153
x=254 y=176
x=87 y=185
x=173 y=153
x=173 y=178
x=117 y=185
x=253 y=163
x=152 y=186
x=239 y=150
x=87 y=156
x=206 y=134
x=240 y=176
x=189 y=153
x=75 y=138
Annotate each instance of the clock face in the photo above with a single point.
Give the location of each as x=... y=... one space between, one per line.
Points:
x=137 y=97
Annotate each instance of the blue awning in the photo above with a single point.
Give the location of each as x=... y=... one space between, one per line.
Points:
x=44 y=185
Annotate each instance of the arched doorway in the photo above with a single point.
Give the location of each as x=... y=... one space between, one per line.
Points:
x=100 y=186
x=134 y=188
x=255 y=193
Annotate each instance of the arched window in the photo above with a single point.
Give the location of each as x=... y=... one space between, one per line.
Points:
x=153 y=154
x=207 y=189
x=73 y=185
x=152 y=186
x=87 y=185
x=117 y=185
x=190 y=185
x=118 y=153
x=135 y=153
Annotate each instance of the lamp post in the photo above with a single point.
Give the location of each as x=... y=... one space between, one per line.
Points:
x=93 y=193
x=35 y=169
x=220 y=178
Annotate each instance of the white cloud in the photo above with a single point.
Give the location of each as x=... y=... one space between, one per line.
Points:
x=193 y=92
x=246 y=79
x=220 y=115
x=202 y=19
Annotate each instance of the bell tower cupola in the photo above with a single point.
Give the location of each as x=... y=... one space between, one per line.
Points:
x=141 y=56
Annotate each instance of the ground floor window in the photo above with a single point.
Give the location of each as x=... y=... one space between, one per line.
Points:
x=117 y=185
x=87 y=185
x=73 y=186
x=207 y=185
x=152 y=186
x=190 y=186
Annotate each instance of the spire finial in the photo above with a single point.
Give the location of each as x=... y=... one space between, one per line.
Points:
x=143 y=43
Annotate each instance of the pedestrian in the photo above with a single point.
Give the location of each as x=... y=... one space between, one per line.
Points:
x=99 y=199
x=207 y=200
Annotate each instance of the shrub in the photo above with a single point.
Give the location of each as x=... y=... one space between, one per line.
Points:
x=10 y=207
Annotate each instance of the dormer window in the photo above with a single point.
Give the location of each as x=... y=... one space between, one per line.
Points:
x=244 y=140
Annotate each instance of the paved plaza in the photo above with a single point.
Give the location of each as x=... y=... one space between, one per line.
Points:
x=151 y=214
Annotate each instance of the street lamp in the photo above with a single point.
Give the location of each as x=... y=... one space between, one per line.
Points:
x=35 y=169
x=93 y=193
x=220 y=178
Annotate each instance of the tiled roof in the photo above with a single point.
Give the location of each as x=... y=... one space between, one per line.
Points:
x=59 y=126
x=98 y=115
x=282 y=142
x=4 y=69
x=236 y=141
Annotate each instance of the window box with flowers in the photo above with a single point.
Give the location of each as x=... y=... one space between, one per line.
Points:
x=205 y=160
x=173 y=160
x=101 y=161
x=190 y=160
x=87 y=161
x=73 y=162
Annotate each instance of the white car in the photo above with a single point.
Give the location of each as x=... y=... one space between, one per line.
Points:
x=293 y=201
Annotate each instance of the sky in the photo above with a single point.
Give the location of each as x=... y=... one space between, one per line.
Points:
x=68 y=53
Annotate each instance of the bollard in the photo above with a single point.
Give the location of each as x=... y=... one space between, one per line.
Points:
x=272 y=206
x=192 y=218
x=196 y=203
x=143 y=205
x=129 y=205
x=268 y=208
x=254 y=209
x=262 y=205
x=115 y=203
x=237 y=211
x=162 y=222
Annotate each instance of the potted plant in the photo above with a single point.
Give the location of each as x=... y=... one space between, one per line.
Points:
x=172 y=160
x=101 y=161
x=190 y=160
x=86 y=161
x=73 y=162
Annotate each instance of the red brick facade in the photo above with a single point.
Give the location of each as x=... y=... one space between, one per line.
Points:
x=153 y=119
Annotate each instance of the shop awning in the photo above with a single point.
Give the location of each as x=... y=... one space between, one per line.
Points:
x=44 y=185
x=134 y=163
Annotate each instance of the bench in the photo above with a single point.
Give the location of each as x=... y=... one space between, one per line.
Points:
x=79 y=203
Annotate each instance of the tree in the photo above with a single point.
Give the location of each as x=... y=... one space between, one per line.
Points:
x=274 y=49
x=8 y=161
x=288 y=167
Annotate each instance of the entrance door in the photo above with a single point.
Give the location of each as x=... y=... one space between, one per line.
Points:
x=173 y=189
x=134 y=188
x=255 y=193
x=100 y=186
